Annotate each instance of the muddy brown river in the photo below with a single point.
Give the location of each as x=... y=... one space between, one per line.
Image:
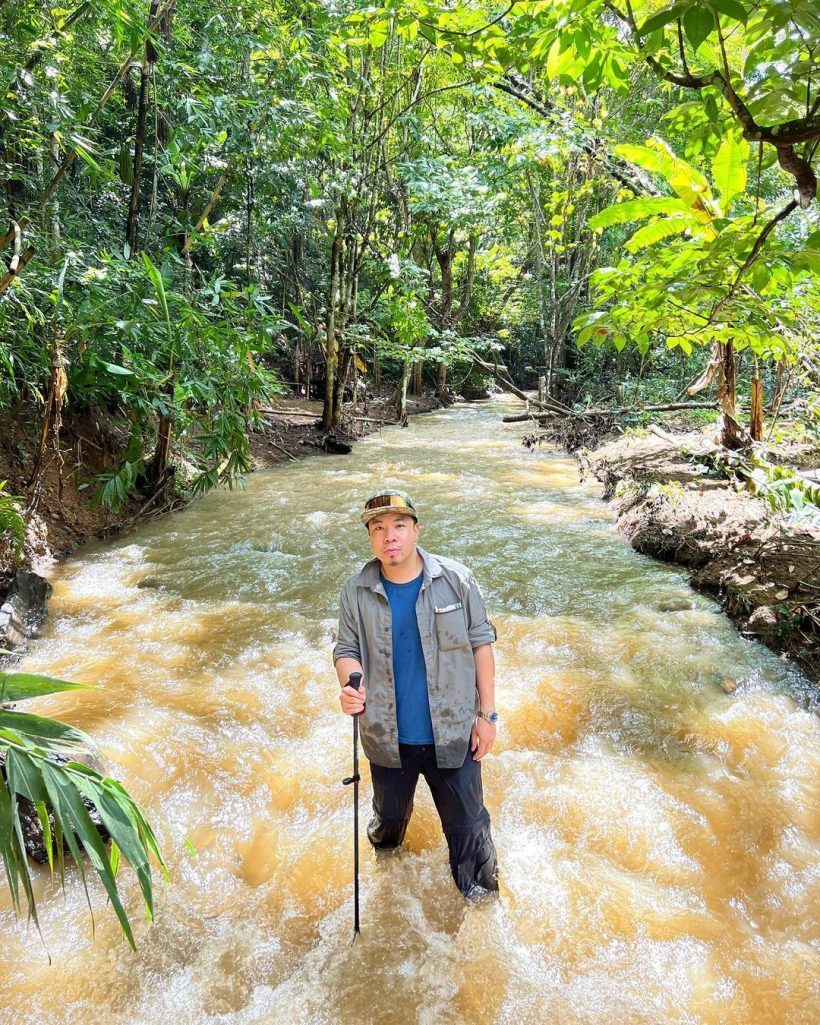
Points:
x=657 y=837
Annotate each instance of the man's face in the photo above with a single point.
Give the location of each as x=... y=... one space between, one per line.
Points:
x=393 y=538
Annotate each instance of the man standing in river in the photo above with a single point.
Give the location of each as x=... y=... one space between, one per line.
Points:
x=416 y=627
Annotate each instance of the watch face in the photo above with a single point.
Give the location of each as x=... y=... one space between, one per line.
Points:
x=492 y=717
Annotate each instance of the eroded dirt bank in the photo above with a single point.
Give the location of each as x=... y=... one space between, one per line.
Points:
x=61 y=513
x=763 y=566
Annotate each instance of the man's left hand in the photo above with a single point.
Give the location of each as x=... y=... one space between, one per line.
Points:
x=482 y=738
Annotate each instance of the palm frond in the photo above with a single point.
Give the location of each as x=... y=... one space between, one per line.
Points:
x=35 y=767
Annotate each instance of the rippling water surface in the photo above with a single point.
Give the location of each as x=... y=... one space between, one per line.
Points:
x=658 y=838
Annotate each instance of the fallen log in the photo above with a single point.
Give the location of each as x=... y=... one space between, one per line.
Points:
x=290 y=412
x=499 y=371
x=617 y=411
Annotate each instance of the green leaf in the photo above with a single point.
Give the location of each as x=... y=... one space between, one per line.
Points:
x=731 y=8
x=125 y=822
x=13 y=851
x=698 y=23
x=662 y=18
x=808 y=258
x=656 y=156
x=729 y=168
x=759 y=276
x=19 y=686
x=112 y=368
x=635 y=209
x=68 y=806
x=37 y=728
x=23 y=775
x=649 y=234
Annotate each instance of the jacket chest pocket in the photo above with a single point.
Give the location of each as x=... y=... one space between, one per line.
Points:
x=451 y=627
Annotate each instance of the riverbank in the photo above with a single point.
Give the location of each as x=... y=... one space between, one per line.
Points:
x=62 y=515
x=675 y=501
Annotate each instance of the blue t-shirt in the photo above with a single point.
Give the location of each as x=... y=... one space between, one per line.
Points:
x=409 y=671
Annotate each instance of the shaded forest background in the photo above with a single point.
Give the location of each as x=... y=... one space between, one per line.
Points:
x=207 y=205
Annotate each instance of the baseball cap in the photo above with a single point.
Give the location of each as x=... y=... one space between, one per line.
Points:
x=386 y=502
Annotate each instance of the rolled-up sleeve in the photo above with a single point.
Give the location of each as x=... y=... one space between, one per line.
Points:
x=479 y=628
x=348 y=644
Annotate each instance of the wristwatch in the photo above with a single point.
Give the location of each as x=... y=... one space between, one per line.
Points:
x=491 y=717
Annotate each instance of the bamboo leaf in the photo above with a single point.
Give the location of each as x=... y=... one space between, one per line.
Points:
x=12 y=848
x=18 y=686
x=24 y=777
x=39 y=728
x=45 y=824
x=68 y=805
x=122 y=820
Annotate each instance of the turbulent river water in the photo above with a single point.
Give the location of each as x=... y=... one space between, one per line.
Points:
x=657 y=837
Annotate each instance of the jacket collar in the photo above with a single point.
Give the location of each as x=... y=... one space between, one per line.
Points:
x=370 y=576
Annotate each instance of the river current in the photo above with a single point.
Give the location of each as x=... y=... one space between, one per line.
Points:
x=657 y=837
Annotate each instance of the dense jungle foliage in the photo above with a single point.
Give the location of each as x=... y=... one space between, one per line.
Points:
x=205 y=204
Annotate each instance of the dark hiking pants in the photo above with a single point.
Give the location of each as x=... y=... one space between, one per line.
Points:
x=459 y=800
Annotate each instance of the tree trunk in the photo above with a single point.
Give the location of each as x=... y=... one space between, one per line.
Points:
x=339 y=385
x=162 y=451
x=401 y=404
x=332 y=356
x=150 y=56
x=756 y=415
x=727 y=397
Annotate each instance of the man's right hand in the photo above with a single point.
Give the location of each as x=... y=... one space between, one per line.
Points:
x=353 y=700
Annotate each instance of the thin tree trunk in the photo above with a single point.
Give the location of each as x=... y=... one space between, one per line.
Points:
x=727 y=396
x=401 y=405
x=332 y=357
x=52 y=414
x=445 y=262
x=149 y=57
x=756 y=413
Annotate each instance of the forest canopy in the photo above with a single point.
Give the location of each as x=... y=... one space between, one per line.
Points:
x=205 y=204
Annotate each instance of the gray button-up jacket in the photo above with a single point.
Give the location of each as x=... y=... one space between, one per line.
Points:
x=452 y=621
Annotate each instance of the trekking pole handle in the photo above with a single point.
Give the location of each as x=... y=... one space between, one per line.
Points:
x=353 y=681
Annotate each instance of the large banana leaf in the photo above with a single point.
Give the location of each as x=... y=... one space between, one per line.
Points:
x=635 y=209
x=656 y=231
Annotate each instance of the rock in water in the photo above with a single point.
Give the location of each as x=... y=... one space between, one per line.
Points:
x=33 y=838
x=24 y=610
x=330 y=443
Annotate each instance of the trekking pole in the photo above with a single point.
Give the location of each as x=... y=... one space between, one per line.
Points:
x=354 y=681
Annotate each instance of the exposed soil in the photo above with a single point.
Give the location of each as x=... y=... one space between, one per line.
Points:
x=763 y=566
x=293 y=427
